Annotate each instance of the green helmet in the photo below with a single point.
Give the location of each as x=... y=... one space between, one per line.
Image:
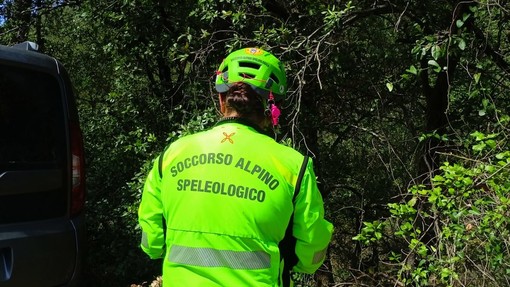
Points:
x=263 y=71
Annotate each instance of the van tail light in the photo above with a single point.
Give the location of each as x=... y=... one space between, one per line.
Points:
x=77 y=170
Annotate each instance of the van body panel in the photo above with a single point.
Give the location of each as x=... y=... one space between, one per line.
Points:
x=41 y=253
x=41 y=244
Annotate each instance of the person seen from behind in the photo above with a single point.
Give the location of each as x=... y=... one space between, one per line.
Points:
x=230 y=206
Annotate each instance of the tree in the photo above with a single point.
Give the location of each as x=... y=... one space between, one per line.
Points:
x=382 y=94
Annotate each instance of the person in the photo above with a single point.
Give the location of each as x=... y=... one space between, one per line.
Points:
x=230 y=206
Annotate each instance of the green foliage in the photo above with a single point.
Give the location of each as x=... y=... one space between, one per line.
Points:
x=455 y=230
x=198 y=121
x=333 y=16
x=371 y=232
x=368 y=82
x=133 y=152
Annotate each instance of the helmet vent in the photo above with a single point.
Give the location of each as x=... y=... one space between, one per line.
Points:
x=274 y=78
x=249 y=65
x=247 y=75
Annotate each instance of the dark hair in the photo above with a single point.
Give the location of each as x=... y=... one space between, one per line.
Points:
x=242 y=98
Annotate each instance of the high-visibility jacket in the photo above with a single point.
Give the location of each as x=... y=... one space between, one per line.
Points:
x=216 y=206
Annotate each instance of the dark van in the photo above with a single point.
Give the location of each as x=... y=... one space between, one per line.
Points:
x=42 y=189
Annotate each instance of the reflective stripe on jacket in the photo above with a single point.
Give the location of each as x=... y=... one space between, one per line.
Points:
x=217 y=204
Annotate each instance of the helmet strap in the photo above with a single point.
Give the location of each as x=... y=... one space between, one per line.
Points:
x=272 y=109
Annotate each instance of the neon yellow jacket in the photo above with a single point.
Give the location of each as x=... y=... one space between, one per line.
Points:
x=217 y=204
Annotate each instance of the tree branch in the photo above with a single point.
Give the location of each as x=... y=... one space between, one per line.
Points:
x=377 y=10
x=489 y=50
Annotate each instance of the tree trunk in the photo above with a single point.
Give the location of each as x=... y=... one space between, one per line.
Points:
x=20 y=17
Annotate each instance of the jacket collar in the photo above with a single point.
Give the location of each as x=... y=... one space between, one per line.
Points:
x=242 y=121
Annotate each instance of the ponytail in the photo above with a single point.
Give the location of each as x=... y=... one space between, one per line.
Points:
x=243 y=99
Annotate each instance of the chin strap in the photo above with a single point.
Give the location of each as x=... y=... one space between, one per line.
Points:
x=273 y=109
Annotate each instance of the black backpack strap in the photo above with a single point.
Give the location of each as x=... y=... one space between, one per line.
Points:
x=160 y=171
x=288 y=245
x=160 y=162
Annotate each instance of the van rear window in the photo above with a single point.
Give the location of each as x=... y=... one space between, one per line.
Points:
x=32 y=121
x=33 y=149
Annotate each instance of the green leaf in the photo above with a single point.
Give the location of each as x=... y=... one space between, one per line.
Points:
x=503 y=155
x=478 y=136
x=459 y=23
x=435 y=52
x=389 y=86
x=477 y=77
x=412 y=201
x=491 y=143
x=479 y=147
x=359 y=237
x=412 y=70
x=434 y=64
x=467 y=181
x=462 y=44
x=474 y=212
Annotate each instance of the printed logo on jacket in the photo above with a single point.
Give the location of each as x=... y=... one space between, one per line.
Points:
x=223 y=188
